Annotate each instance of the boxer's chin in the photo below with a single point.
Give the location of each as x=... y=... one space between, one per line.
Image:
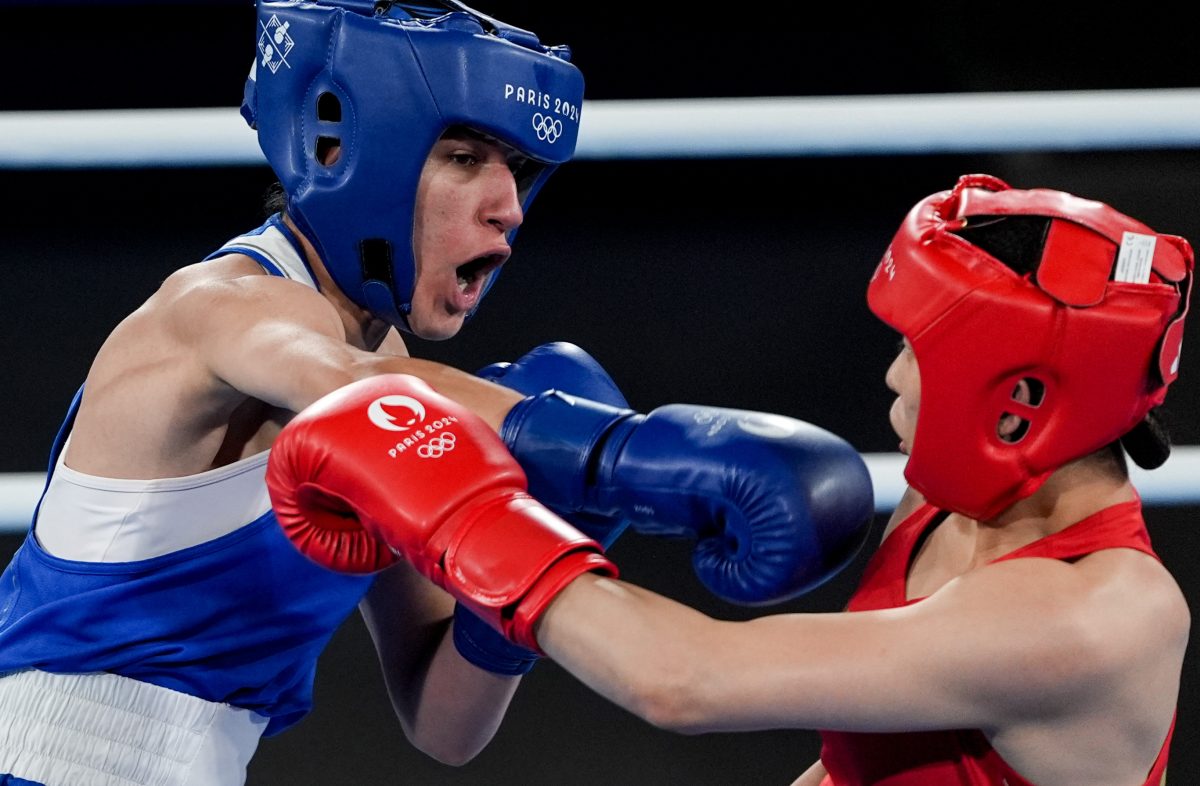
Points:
x=436 y=324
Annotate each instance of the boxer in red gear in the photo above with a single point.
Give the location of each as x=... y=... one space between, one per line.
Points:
x=933 y=757
x=1015 y=627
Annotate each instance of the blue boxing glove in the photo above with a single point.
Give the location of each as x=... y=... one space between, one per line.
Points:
x=568 y=368
x=777 y=506
x=559 y=366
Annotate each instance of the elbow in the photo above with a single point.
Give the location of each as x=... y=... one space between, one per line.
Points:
x=452 y=759
x=446 y=740
x=671 y=699
x=452 y=753
x=687 y=682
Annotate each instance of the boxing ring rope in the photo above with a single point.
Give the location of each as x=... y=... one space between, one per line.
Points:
x=674 y=128
x=681 y=128
x=1174 y=483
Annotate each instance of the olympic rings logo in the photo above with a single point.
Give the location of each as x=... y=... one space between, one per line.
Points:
x=437 y=447
x=548 y=129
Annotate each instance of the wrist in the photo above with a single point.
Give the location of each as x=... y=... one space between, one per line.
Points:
x=483 y=646
x=554 y=436
x=547 y=589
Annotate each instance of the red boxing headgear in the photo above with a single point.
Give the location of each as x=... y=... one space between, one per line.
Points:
x=1096 y=328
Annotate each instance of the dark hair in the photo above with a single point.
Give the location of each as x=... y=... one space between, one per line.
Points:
x=1148 y=443
x=275 y=200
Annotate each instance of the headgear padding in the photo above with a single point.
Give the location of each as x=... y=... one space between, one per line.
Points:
x=1096 y=328
x=382 y=82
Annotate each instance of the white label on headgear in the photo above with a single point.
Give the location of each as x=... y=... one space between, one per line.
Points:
x=1135 y=258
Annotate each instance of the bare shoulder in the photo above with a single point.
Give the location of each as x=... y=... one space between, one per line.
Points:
x=1136 y=601
x=227 y=268
x=1095 y=651
x=1102 y=618
x=188 y=302
x=1128 y=592
x=162 y=378
x=213 y=290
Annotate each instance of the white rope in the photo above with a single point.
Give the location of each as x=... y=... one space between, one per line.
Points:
x=1174 y=483
x=19 y=492
x=673 y=128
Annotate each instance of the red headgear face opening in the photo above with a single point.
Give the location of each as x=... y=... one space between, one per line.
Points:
x=1094 y=326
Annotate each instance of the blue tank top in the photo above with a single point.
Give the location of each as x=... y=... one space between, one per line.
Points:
x=240 y=619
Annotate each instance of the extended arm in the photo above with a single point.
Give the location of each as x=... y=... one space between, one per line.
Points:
x=284 y=344
x=927 y=666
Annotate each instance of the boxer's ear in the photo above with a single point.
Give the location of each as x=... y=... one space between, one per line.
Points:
x=1012 y=427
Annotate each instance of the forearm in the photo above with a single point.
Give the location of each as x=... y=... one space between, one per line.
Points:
x=488 y=400
x=642 y=651
x=687 y=672
x=682 y=670
x=448 y=708
x=311 y=377
x=459 y=708
x=491 y=401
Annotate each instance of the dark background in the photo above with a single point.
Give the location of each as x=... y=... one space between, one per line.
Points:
x=731 y=282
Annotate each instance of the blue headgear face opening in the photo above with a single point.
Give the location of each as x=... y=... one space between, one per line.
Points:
x=382 y=82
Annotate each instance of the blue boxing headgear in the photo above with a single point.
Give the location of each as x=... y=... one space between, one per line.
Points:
x=382 y=81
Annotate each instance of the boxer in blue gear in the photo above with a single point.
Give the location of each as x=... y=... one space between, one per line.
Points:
x=157 y=622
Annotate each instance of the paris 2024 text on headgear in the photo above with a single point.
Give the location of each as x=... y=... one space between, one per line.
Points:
x=1094 y=327
x=382 y=81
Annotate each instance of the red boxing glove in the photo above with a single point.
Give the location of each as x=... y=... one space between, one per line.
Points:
x=386 y=467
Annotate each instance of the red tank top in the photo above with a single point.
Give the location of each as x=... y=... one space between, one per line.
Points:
x=959 y=757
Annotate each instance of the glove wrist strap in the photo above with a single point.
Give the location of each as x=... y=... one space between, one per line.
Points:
x=555 y=436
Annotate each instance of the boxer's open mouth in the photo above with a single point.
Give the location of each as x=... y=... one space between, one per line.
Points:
x=476 y=270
